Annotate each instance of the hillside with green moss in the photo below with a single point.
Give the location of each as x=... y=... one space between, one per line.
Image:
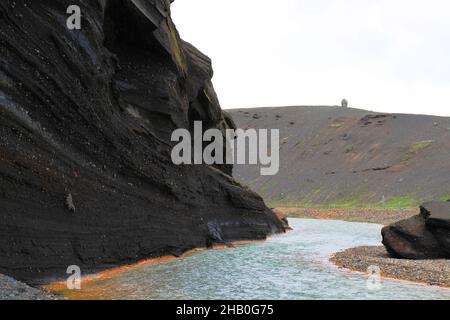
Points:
x=347 y=158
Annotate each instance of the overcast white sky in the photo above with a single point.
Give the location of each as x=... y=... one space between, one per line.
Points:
x=381 y=55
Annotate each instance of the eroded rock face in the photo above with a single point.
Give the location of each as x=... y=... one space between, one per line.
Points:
x=409 y=239
x=425 y=236
x=89 y=114
x=438 y=222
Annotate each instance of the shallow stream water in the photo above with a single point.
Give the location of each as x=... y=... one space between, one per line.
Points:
x=291 y=266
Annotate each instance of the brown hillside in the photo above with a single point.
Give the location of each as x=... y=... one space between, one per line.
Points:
x=350 y=157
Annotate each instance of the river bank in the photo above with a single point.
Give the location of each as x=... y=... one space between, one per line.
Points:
x=378 y=216
x=254 y=271
x=429 y=272
x=359 y=259
x=11 y=289
x=313 y=238
x=91 y=290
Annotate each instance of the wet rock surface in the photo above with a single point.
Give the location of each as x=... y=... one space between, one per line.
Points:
x=425 y=236
x=86 y=117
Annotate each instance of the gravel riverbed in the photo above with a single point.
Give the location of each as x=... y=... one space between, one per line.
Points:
x=378 y=216
x=11 y=289
x=431 y=272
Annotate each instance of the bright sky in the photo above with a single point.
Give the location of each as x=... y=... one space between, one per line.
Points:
x=381 y=55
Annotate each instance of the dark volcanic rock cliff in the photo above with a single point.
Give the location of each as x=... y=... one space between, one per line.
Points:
x=426 y=236
x=85 y=122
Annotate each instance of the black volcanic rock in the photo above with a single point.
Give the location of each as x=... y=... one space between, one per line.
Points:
x=425 y=236
x=437 y=213
x=410 y=239
x=438 y=222
x=86 y=116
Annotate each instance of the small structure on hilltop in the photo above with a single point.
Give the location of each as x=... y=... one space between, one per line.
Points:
x=344 y=103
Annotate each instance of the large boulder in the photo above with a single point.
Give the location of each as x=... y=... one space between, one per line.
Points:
x=438 y=222
x=425 y=236
x=410 y=239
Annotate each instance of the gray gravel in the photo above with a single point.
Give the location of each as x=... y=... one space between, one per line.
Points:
x=11 y=289
x=433 y=272
x=378 y=216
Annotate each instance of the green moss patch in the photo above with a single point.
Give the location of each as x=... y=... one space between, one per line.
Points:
x=415 y=148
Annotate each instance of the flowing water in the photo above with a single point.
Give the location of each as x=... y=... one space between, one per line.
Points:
x=292 y=266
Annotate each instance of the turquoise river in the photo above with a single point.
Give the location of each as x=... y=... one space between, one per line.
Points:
x=291 y=266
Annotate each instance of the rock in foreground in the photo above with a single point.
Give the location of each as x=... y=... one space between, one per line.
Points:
x=425 y=236
x=438 y=222
x=11 y=289
x=86 y=117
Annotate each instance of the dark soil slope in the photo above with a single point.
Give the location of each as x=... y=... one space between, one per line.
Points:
x=86 y=116
x=350 y=157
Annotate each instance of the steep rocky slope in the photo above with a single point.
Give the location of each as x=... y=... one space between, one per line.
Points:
x=85 y=122
x=349 y=157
